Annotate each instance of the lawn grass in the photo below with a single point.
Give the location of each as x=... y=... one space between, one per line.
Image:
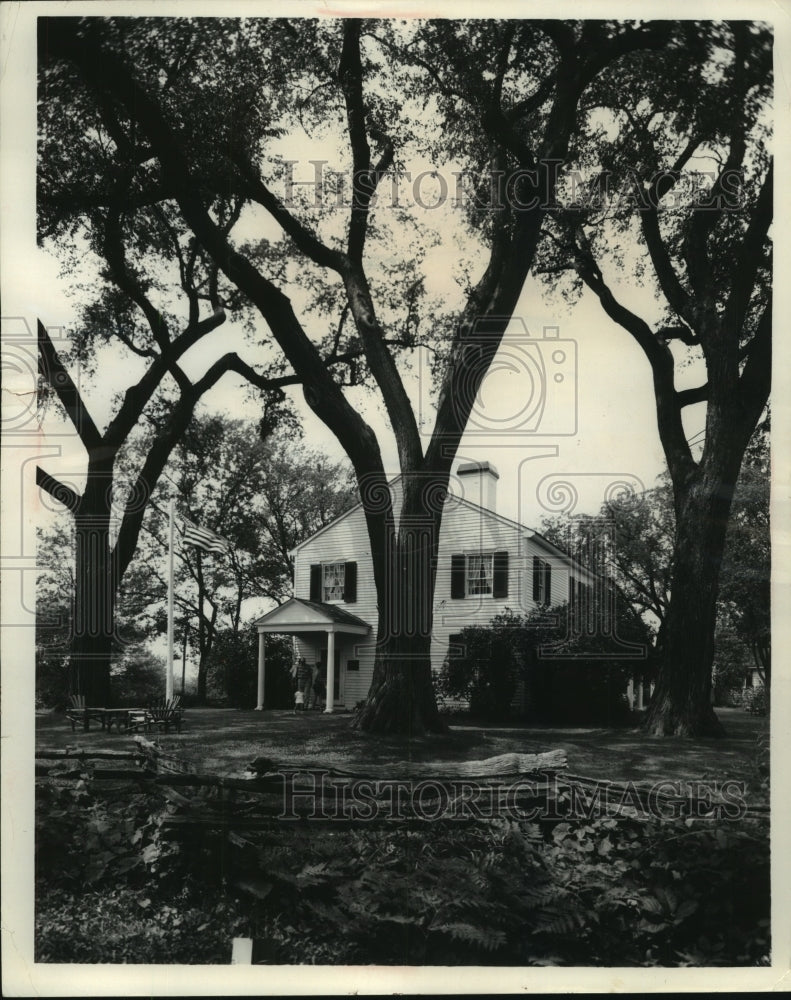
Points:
x=225 y=741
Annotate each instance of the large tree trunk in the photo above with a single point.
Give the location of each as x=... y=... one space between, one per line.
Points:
x=681 y=705
x=401 y=697
x=94 y=611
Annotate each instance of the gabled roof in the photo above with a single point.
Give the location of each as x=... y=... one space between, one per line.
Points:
x=300 y=615
x=334 y=612
x=529 y=532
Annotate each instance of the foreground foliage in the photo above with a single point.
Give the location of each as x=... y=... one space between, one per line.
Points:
x=111 y=887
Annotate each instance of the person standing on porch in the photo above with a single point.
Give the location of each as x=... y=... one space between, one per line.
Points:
x=304 y=677
x=319 y=687
x=313 y=687
x=308 y=688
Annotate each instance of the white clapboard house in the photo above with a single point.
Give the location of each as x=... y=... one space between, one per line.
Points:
x=486 y=563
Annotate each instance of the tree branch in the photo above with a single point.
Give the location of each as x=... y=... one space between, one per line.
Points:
x=306 y=241
x=129 y=284
x=365 y=179
x=687 y=397
x=749 y=256
x=52 y=371
x=675 y=293
x=57 y=490
x=756 y=377
x=138 y=395
x=104 y=72
x=668 y=408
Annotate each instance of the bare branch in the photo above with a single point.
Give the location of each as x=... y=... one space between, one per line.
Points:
x=57 y=490
x=305 y=240
x=53 y=372
x=668 y=407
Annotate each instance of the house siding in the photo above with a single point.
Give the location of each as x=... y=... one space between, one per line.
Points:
x=343 y=541
x=465 y=530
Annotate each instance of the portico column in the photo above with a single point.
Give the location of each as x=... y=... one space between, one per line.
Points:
x=261 y=670
x=330 y=671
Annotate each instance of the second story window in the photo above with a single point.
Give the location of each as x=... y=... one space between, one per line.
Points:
x=479 y=574
x=333 y=583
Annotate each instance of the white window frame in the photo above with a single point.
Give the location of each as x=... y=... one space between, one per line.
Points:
x=469 y=580
x=544 y=598
x=339 y=569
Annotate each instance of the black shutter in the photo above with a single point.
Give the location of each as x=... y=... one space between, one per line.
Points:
x=571 y=591
x=315 y=582
x=500 y=582
x=536 y=579
x=547 y=583
x=457 y=568
x=350 y=583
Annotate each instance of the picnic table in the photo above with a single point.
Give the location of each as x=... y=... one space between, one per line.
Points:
x=164 y=713
x=79 y=712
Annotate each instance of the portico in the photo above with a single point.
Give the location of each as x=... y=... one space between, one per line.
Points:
x=320 y=625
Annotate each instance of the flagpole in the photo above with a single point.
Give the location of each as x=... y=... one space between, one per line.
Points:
x=169 y=675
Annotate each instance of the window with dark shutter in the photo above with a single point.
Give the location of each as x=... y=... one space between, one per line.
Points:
x=500 y=585
x=350 y=583
x=457 y=571
x=547 y=583
x=315 y=582
x=352 y=664
x=536 y=579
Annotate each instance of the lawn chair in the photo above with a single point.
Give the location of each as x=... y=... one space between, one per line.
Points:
x=165 y=713
x=78 y=711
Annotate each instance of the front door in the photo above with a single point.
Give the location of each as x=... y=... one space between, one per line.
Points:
x=336 y=691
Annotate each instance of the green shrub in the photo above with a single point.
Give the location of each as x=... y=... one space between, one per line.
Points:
x=755 y=700
x=138 y=678
x=546 y=667
x=487 y=672
x=233 y=670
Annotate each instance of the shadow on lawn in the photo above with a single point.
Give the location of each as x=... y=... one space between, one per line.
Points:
x=226 y=740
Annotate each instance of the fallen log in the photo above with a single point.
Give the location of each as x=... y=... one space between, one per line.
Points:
x=80 y=753
x=507 y=765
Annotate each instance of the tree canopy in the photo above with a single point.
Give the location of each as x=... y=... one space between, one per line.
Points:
x=202 y=122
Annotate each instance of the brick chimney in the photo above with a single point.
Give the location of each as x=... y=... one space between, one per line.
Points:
x=479 y=482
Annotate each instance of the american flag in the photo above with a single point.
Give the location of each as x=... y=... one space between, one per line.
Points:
x=203 y=538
